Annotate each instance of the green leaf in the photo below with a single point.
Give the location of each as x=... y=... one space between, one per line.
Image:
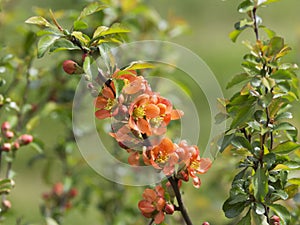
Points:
x=260 y=184
x=286 y=147
x=233 y=210
x=63 y=44
x=81 y=37
x=295 y=181
x=241 y=142
x=243 y=77
x=282 y=212
x=226 y=141
x=242 y=116
x=119 y=84
x=38 y=20
x=275 y=46
x=259 y=208
x=282 y=75
x=37 y=146
x=292 y=190
x=234 y=35
x=114 y=29
x=45 y=43
x=220 y=117
x=138 y=65
x=50 y=221
x=90 y=9
x=246 y=6
x=87 y=66
x=268 y=31
x=80 y=25
x=266 y=2
x=243 y=24
x=246 y=220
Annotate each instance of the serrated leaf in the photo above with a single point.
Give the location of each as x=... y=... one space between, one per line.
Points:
x=80 y=25
x=90 y=9
x=260 y=184
x=286 y=147
x=243 y=77
x=234 y=35
x=38 y=20
x=45 y=43
x=282 y=212
x=138 y=65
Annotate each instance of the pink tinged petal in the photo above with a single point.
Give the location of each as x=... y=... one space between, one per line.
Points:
x=160 y=204
x=149 y=195
x=162 y=108
x=102 y=114
x=144 y=126
x=159 y=217
x=160 y=191
x=107 y=92
x=176 y=114
x=145 y=206
x=133 y=87
x=133 y=158
x=100 y=102
x=205 y=164
x=196 y=182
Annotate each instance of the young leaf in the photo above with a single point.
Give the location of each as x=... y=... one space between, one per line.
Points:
x=282 y=212
x=233 y=210
x=243 y=77
x=242 y=116
x=138 y=65
x=246 y=220
x=246 y=6
x=119 y=84
x=260 y=184
x=45 y=43
x=80 y=25
x=241 y=142
x=90 y=9
x=38 y=20
x=286 y=147
x=275 y=46
x=63 y=44
x=234 y=35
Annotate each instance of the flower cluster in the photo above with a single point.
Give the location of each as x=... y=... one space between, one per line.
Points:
x=58 y=199
x=140 y=118
x=8 y=141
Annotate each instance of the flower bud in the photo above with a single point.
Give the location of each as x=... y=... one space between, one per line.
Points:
x=71 y=67
x=9 y=134
x=5 y=126
x=169 y=208
x=58 y=189
x=6 y=204
x=6 y=147
x=73 y=192
x=25 y=139
x=16 y=145
x=205 y=223
x=275 y=220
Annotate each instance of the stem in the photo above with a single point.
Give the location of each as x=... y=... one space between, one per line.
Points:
x=151 y=222
x=182 y=209
x=255 y=23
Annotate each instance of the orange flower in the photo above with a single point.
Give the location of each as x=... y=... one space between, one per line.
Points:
x=151 y=113
x=192 y=163
x=153 y=204
x=162 y=157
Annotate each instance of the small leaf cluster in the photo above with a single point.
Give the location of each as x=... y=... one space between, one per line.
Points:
x=260 y=130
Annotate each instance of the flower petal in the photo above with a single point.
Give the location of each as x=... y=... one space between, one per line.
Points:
x=100 y=102
x=102 y=114
x=144 y=126
x=159 y=217
x=145 y=206
x=176 y=114
x=149 y=195
x=205 y=164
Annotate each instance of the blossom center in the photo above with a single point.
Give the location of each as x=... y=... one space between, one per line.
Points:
x=139 y=112
x=110 y=103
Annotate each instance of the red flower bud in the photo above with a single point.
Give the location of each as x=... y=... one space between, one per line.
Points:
x=71 y=67
x=58 y=189
x=275 y=220
x=6 y=147
x=205 y=223
x=25 y=139
x=46 y=196
x=5 y=126
x=9 y=134
x=169 y=208
x=73 y=192
x=16 y=145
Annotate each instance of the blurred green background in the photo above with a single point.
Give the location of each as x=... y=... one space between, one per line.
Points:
x=210 y=23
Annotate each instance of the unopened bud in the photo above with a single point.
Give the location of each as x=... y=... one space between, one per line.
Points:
x=275 y=220
x=73 y=192
x=58 y=189
x=5 y=126
x=16 y=145
x=169 y=208
x=25 y=139
x=6 y=147
x=6 y=204
x=71 y=67
x=9 y=134
x=205 y=223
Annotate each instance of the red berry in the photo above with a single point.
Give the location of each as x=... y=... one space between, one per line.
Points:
x=70 y=67
x=16 y=145
x=25 y=139
x=205 y=223
x=6 y=147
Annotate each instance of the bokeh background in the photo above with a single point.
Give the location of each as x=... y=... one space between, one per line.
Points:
x=209 y=23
